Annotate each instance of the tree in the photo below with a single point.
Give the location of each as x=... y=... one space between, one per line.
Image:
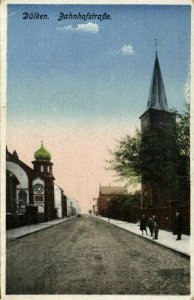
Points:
x=183 y=129
x=120 y=207
x=157 y=157
x=183 y=140
x=147 y=157
x=126 y=160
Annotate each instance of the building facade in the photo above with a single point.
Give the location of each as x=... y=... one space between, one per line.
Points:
x=31 y=194
x=106 y=194
x=73 y=208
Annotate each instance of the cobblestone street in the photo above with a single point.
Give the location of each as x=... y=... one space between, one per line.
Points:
x=88 y=256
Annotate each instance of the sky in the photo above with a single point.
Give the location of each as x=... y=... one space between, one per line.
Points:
x=79 y=85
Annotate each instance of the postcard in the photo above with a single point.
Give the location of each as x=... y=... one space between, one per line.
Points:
x=96 y=150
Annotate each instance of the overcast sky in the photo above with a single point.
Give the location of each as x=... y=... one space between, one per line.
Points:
x=79 y=85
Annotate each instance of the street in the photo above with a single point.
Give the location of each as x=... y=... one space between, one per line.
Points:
x=88 y=256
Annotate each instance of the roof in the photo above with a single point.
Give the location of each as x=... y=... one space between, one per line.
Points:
x=42 y=154
x=113 y=190
x=157 y=97
x=14 y=158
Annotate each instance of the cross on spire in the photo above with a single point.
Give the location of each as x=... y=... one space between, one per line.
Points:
x=156 y=44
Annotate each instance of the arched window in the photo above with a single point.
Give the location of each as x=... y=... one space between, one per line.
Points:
x=22 y=195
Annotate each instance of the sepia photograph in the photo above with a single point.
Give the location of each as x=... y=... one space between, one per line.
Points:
x=95 y=149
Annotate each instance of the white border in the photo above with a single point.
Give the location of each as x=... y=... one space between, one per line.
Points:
x=3 y=73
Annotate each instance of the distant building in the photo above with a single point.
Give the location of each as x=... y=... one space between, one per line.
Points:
x=59 y=199
x=73 y=208
x=106 y=193
x=95 y=206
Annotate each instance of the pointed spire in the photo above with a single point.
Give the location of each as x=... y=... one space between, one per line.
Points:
x=157 y=97
x=156 y=44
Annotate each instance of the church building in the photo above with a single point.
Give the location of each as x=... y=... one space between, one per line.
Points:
x=153 y=120
x=157 y=197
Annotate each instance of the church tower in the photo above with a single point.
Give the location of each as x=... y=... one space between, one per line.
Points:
x=43 y=184
x=157 y=107
x=156 y=116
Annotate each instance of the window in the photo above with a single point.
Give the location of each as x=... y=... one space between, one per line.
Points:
x=38 y=198
x=22 y=195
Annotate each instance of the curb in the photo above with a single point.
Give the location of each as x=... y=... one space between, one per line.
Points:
x=150 y=240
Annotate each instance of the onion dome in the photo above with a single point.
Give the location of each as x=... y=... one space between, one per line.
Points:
x=42 y=154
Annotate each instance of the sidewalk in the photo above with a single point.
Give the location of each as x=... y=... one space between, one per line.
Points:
x=165 y=238
x=16 y=233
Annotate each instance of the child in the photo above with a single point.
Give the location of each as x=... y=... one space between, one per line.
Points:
x=150 y=225
x=156 y=229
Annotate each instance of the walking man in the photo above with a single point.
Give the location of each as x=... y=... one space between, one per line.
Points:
x=143 y=224
x=178 y=224
x=156 y=228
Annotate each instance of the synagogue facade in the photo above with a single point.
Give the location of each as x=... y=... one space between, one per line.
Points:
x=32 y=196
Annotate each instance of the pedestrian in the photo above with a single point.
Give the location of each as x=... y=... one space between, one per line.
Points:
x=178 y=224
x=156 y=228
x=143 y=223
x=150 y=225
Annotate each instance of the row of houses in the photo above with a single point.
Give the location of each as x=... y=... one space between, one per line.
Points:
x=32 y=196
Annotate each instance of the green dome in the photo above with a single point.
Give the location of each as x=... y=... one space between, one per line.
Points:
x=42 y=153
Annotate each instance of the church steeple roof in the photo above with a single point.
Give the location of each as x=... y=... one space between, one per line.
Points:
x=157 y=97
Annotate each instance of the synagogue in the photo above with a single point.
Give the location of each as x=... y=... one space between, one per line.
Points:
x=31 y=193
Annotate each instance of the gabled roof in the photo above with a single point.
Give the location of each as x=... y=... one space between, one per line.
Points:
x=113 y=190
x=14 y=158
x=157 y=97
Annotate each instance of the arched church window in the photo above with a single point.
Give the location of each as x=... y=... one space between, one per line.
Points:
x=22 y=195
x=42 y=168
